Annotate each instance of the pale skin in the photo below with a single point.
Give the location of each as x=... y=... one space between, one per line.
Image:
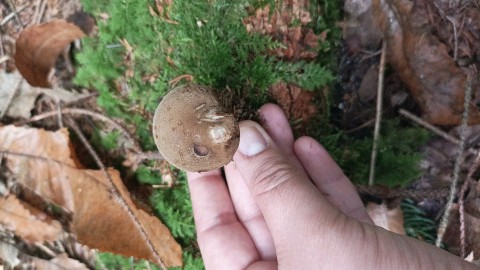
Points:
x=286 y=204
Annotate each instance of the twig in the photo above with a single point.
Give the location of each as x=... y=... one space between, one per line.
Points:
x=455 y=37
x=46 y=250
x=46 y=159
x=3 y=58
x=37 y=17
x=11 y=15
x=59 y=113
x=461 y=204
x=98 y=116
x=433 y=129
x=15 y=12
x=461 y=210
x=378 y=118
x=391 y=193
x=429 y=126
x=456 y=172
x=149 y=156
x=116 y=192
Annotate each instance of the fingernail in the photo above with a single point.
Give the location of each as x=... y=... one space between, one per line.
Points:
x=251 y=141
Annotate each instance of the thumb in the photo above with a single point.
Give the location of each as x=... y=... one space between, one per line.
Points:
x=287 y=198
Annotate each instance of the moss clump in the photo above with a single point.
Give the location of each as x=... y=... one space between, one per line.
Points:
x=202 y=39
x=398 y=155
x=207 y=41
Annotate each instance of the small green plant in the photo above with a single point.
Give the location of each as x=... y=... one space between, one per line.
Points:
x=416 y=222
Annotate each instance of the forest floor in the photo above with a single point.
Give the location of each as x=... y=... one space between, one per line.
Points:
x=80 y=175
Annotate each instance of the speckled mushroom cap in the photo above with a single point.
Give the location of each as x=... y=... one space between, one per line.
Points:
x=193 y=131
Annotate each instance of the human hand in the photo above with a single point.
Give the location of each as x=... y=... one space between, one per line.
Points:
x=286 y=204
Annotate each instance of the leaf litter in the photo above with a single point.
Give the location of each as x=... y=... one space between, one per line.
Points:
x=45 y=164
x=301 y=43
x=288 y=23
x=433 y=47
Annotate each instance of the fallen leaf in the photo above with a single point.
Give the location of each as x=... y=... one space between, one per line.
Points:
x=295 y=102
x=472 y=231
x=38 y=47
x=359 y=28
x=287 y=24
x=60 y=262
x=99 y=219
x=389 y=219
x=423 y=63
x=17 y=98
x=31 y=228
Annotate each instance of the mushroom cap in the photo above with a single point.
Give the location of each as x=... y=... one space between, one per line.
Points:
x=193 y=131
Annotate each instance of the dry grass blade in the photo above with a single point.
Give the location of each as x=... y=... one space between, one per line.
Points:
x=378 y=118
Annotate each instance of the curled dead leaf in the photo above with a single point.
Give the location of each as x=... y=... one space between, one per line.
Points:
x=389 y=219
x=423 y=63
x=38 y=47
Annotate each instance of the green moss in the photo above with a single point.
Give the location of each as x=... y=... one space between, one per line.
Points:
x=398 y=155
x=209 y=42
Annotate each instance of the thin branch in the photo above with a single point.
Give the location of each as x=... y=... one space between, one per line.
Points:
x=433 y=129
x=116 y=192
x=59 y=112
x=11 y=15
x=15 y=13
x=40 y=13
x=95 y=115
x=456 y=172
x=455 y=37
x=461 y=204
x=461 y=210
x=378 y=118
x=391 y=193
x=429 y=126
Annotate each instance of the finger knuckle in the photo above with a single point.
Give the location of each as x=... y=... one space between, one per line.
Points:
x=271 y=176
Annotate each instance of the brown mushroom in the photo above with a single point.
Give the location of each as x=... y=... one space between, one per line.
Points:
x=193 y=131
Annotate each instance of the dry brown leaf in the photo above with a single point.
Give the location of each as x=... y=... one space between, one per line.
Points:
x=423 y=62
x=31 y=228
x=38 y=47
x=60 y=262
x=472 y=230
x=299 y=40
x=295 y=102
x=99 y=220
x=389 y=219
x=359 y=28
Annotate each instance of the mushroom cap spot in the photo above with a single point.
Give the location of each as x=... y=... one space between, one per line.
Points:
x=193 y=131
